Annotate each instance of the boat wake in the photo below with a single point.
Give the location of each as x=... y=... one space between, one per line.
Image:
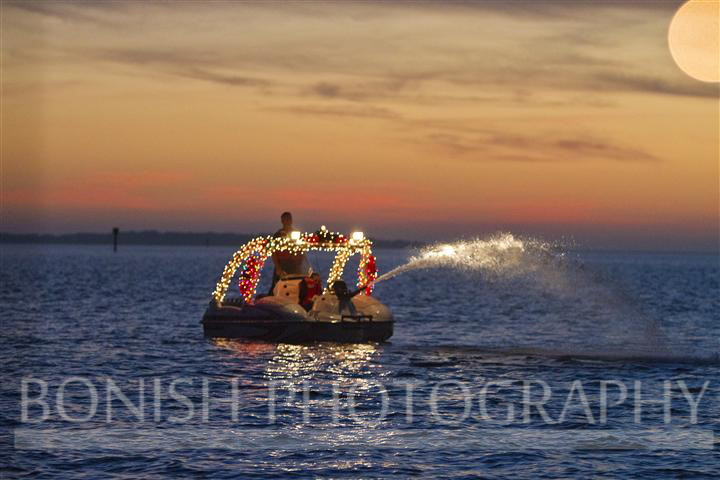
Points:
x=510 y=354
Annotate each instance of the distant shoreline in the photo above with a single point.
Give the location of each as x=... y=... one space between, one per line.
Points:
x=152 y=238
x=155 y=238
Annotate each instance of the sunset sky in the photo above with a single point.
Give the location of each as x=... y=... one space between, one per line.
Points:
x=421 y=120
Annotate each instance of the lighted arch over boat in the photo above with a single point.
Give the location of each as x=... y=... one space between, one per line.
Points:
x=251 y=257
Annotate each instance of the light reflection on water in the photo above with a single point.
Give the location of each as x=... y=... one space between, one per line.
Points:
x=345 y=363
x=238 y=349
x=298 y=362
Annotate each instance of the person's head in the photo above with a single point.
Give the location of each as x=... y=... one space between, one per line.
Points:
x=315 y=276
x=286 y=219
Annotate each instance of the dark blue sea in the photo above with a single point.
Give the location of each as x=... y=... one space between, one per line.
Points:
x=592 y=365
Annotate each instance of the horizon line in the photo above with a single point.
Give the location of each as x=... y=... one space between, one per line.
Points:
x=71 y=239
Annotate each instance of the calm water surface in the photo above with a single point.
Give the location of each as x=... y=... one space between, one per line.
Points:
x=134 y=317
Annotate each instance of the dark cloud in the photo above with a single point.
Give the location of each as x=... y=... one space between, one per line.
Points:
x=89 y=12
x=359 y=90
x=600 y=149
x=234 y=80
x=342 y=111
x=455 y=144
x=574 y=73
x=556 y=9
x=489 y=146
x=149 y=56
x=648 y=84
x=324 y=89
x=197 y=65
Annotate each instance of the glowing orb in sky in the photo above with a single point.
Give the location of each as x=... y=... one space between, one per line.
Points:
x=694 y=39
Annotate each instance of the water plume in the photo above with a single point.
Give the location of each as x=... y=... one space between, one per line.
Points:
x=542 y=271
x=501 y=255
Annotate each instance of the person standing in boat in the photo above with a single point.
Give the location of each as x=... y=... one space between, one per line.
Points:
x=286 y=263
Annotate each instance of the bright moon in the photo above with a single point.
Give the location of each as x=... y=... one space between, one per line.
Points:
x=694 y=39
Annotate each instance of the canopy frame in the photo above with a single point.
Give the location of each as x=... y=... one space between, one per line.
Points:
x=251 y=258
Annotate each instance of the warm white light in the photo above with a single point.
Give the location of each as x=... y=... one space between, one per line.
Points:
x=442 y=251
x=447 y=250
x=264 y=247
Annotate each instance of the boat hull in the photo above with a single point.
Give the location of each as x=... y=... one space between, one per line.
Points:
x=279 y=319
x=302 y=331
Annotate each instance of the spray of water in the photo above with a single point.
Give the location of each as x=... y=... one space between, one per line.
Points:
x=541 y=265
x=502 y=254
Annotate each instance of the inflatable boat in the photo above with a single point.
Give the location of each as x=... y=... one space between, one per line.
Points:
x=298 y=309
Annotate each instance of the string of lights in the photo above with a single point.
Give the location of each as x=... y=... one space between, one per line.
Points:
x=251 y=257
